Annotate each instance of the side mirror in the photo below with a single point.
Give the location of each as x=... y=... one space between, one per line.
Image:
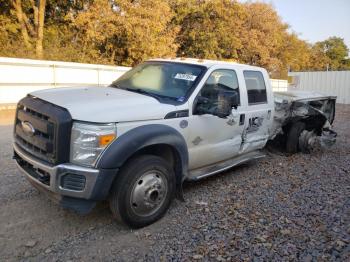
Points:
x=227 y=100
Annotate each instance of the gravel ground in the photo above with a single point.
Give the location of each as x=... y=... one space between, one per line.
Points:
x=280 y=208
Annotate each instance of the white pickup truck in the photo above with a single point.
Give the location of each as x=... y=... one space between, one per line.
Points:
x=163 y=122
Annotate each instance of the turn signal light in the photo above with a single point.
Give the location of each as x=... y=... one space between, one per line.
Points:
x=104 y=140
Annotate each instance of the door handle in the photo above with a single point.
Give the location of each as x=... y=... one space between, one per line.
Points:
x=241 y=119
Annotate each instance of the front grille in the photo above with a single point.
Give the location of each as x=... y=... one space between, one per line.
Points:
x=49 y=127
x=41 y=142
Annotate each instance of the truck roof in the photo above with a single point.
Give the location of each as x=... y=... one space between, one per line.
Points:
x=204 y=62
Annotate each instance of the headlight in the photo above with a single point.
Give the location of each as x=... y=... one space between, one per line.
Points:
x=88 y=141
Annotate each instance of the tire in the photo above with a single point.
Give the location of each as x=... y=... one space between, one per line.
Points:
x=143 y=191
x=292 y=144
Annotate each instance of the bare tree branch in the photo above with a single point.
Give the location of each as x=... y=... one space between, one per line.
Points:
x=40 y=36
x=17 y=4
x=36 y=15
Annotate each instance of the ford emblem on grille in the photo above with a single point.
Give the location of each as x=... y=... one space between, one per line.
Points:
x=28 y=128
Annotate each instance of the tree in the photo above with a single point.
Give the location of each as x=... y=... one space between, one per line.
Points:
x=294 y=54
x=57 y=38
x=209 y=28
x=336 y=51
x=319 y=61
x=263 y=37
x=126 y=32
x=31 y=21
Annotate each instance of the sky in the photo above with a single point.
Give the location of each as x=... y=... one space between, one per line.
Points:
x=315 y=20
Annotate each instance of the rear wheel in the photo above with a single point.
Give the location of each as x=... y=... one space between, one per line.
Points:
x=307 y=141
x=143 y=191
x=292 y=144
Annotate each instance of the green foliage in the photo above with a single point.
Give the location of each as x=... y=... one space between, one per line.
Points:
x=126 y=32
x=294 y=55
x=335 y=51
x=209 y=29
x=263 y=37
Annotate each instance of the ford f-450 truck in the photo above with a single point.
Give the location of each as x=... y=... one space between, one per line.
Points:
x=164 y=122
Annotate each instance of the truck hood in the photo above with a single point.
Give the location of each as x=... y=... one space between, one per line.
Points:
x=105 y=104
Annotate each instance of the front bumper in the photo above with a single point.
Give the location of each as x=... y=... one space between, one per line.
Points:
x=65 y=180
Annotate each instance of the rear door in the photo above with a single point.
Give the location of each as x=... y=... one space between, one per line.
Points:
x=259 y=110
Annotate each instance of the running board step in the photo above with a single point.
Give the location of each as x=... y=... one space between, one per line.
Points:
x=210 y=170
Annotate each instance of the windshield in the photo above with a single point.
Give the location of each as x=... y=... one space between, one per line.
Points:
x=163 y=79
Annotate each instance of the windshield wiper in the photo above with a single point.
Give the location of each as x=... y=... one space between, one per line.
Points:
x=114 y=85
x=144 y=92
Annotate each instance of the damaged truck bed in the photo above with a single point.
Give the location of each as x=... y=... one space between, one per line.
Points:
x=309 y=114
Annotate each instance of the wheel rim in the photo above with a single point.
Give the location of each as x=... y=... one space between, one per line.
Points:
x=148 y=193
x=307 y=140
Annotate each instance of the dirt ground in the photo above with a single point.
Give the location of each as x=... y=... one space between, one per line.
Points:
x=281 y=208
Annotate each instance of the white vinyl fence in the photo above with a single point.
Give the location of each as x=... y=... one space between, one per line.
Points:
x=18 y=77
x=329 y=82
x=279 y=85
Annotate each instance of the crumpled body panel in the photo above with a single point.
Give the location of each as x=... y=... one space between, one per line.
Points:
x=315 y=110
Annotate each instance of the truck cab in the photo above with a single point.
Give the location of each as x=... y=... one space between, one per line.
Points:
x=136 y=141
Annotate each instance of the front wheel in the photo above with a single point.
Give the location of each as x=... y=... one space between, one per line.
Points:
x=143 y=191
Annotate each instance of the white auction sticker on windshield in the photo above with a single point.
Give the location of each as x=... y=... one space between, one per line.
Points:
x=187 y=77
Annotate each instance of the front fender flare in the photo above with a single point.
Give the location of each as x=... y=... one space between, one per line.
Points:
x=140 y=137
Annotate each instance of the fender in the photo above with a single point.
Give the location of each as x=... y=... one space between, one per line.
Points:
x=127 y=144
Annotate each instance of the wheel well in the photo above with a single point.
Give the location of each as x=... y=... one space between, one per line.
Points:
x=313 y=122
x=316 y=123
x=167 y=152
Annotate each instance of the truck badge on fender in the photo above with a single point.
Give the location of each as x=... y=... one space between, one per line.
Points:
x=183 y=123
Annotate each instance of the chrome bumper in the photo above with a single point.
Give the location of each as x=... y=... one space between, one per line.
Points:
x=56 y=173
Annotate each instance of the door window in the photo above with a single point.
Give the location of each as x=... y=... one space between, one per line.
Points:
x=219 y=80
x=256 y=89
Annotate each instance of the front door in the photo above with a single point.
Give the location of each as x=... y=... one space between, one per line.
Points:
x=213 y=139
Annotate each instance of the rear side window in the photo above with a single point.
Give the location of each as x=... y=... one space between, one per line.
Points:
x=256 y=89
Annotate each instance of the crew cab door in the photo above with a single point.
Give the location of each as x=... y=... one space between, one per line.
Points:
x=213 y=139
x=259 y=110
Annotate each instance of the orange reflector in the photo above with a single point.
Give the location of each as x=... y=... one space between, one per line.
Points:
x=106 y=139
